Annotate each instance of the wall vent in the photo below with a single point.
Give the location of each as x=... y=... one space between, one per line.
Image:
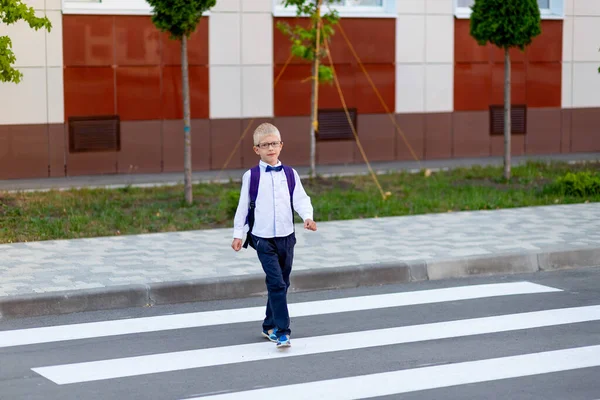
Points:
x=518 y=119
x=94 y=134
x=333 y=124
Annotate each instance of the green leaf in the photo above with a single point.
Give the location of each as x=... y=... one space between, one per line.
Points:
x=325 y=74
x=284 y=27
x=505 y=23
x=179 y=17
x=303 y=39
x=299 y=50
x=13 y=11
x=7 y=58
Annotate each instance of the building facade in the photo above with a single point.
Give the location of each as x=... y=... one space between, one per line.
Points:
x=101 y=92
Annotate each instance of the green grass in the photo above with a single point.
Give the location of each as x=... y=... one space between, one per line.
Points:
x=108 y=212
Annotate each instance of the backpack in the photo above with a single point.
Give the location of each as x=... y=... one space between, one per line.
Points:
x=254 y=181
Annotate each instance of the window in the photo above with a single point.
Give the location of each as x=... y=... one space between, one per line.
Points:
x=347 y=8
x=359 y=3
x=119 y=7
x=544 y=4
x=108 y=7
x=550 y=9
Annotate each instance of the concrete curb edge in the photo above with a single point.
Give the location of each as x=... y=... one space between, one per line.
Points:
x=147 y=295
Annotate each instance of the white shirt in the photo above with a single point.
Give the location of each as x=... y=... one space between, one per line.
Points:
x=273 y=212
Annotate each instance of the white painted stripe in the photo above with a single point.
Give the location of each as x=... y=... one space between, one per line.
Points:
x=141 y=365
x=208 y=318
x=412 y=380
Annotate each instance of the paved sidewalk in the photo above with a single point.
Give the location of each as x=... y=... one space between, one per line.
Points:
x=89 y=274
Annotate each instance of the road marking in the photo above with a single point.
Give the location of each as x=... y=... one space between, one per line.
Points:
x=174 y=361
x=412 y=380
x=208 y=318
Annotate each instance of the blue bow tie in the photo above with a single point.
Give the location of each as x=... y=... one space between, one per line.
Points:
x=276 y=169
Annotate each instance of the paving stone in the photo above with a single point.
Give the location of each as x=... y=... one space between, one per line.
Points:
x=176 y=256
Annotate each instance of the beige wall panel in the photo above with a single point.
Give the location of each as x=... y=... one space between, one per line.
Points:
x=410 y=39
x=25 y=103
x=28 y=44
x=257 y=39
x=54 y=40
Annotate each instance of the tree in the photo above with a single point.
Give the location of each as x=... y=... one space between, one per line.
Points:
x=180 y=18
x=308 y=44
x=12 y=11
x=506 y=24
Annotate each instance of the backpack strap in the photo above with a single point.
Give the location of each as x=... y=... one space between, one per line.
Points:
x=291 y=182
x=254 y=181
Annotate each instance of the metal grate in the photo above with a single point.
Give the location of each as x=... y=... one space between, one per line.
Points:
x=333 y=124
x=94 y=134
x=518 y=119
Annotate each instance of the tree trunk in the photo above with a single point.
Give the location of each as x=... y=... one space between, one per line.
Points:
x=507 y=114
x=313 y=117
x=314 y=100
x=187 y=130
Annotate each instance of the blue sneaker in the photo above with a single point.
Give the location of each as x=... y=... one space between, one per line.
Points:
x=283 y=341
x=271 y=334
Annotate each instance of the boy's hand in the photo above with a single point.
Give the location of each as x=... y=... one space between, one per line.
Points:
x=310 y=225
x=237 y=244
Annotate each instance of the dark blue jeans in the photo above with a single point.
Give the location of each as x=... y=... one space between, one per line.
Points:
x=276 y=256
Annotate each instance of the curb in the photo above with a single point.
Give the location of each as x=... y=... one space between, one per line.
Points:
x=233 y=287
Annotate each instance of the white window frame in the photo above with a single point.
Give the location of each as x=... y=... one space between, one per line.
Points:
x=556 y=10
x=386 y=10
x=108 y=7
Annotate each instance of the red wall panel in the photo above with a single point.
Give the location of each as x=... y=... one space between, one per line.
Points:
x=328 y=93
x=126 y=58
x=138 y=93
x=88 y=40
x=374 y=40
x=547 y=47
x=470 y=53
x=383 y=77
x=197 y=47
x=172 y=98
x=292 y=92
x=479 y=70
x=473 y=86
x=137 y=41
x=543 y=84
x=89 y=91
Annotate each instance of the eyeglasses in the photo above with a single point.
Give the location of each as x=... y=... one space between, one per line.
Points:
x=275 y=145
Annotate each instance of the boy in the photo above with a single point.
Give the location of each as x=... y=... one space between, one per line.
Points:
x=271 y=225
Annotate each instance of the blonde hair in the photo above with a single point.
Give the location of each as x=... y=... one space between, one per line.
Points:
x=265 y=129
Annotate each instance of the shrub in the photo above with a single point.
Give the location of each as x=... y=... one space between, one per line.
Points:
x=230 y=202
x=579 y=184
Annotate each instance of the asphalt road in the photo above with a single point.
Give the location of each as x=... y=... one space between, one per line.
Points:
x=518 y=337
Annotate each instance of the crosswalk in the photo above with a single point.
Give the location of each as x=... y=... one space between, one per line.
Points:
x=233 y=316
x=420 y=379
x=343 y=384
